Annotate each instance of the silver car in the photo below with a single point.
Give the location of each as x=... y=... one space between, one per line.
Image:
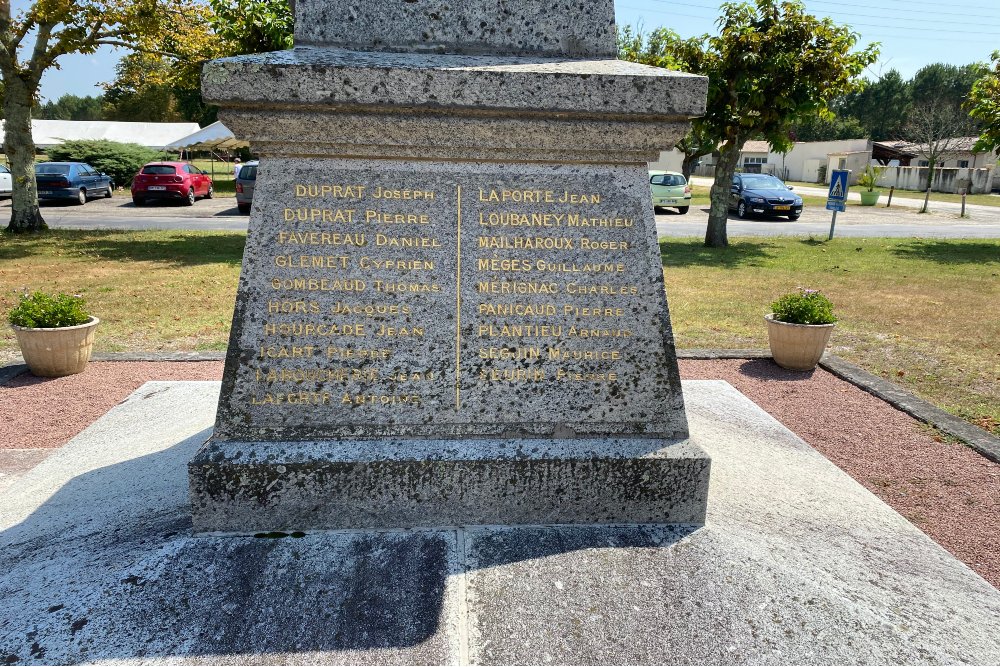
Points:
x=246 y=178
x=6 y=185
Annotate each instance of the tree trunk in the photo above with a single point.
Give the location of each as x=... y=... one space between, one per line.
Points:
x=20 y=147
x=930 y=183
x=687 y=166
x=729 y=155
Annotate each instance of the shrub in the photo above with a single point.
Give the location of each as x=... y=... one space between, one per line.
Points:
x=869 y=178
x=44 y=311
x=807 y=306
x=119 y=161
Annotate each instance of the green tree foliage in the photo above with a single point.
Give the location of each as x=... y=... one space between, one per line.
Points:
x=253 y=26
x=944 y=83
x=882 y=106
x=118 y=160
x=771 y=65
x=157 y=87
x=665 y=48
x=984 y=103
x=73 y=107
x=828 y=127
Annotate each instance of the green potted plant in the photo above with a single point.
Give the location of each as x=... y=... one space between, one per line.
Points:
x=798 y=329
x=55 y=332
x=868 y=180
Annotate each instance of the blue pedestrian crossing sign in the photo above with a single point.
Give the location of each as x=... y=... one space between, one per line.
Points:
x=839 y=185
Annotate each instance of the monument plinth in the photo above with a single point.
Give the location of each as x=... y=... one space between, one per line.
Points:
x=451 y=307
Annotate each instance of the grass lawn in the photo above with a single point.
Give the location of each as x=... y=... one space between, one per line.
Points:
x=922 y=313
x=223 y=180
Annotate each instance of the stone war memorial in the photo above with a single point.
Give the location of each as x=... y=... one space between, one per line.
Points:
x=451 y=308
x=451 y=428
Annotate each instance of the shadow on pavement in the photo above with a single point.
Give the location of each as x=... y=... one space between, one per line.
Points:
x=106 y=569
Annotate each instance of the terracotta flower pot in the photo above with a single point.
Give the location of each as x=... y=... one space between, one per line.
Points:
x=797 y=347
x=57 y=352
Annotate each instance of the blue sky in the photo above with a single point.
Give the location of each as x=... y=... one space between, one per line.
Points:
x=913 y=33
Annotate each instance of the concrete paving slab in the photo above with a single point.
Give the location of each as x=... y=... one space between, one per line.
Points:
x=798 y=564
x=16 y=462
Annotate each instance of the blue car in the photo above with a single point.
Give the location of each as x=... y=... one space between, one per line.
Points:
x=762 y=194
x=77 y=181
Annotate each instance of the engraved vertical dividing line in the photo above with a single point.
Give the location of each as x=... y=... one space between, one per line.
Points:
x=458 y=308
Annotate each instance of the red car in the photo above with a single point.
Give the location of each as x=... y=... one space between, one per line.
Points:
x=171 y=180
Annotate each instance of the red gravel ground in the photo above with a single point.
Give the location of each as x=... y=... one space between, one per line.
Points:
x=945 y=488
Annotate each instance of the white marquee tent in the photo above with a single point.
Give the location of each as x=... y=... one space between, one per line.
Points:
x=158 y=136
x=210 y=138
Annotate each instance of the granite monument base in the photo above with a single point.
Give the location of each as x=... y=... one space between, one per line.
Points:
x=241 y=487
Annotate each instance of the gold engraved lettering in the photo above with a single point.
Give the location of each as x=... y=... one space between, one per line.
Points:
x=520 y=330
x=370 y=309
x=559 y=354
x=514 y=219
x=286 y=352
x=562 y=267
x=322 y=215
x=390 y=332
x=356 y=353
x=311 y=261
x=519 y=196
x=601 y=244
x=335 y=191
x=525 y=243
x=276 y=306
x=321 y=238
x=412 y=288
x=512 y=375
x=598 y=333
x=568 y=197
x=518 y=353
x=493 y=264
x=586 y=311
x=274 y=375
x=374 y=263
x=563 y=374
x=414 y=376
x=293 y=398
x=380 y=399
x=313 y=329
x=610 y=290
x=576 y=220
x=381 y=193
x=381 y=217
x=517 y=288
x=522 y=309
x=317 y=285
x=407 y=241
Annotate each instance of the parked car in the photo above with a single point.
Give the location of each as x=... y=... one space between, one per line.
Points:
x=6 y=184
x=670 y=189
x=71 y=180
x=171 y=180
x=246 y=179
x=761 y=194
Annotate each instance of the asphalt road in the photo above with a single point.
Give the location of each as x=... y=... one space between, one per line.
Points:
x=220 y=214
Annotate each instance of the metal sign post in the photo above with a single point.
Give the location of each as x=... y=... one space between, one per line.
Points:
x=836 y=200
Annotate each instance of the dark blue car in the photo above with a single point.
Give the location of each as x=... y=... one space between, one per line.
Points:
x=762 y=194
x=71 y=180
